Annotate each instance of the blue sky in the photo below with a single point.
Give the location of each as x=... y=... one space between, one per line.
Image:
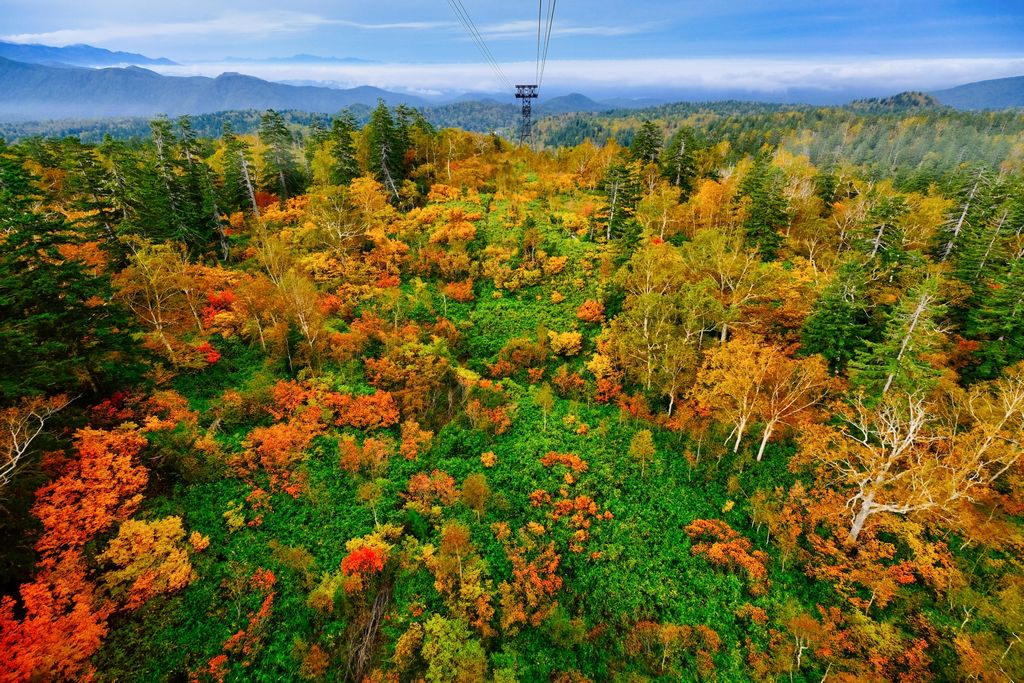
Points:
x=744 y=44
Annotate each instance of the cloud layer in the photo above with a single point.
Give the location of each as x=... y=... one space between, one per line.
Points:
x=234 y=24
x=723 y=75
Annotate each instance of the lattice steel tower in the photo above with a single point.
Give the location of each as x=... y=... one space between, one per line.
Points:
x=526 y=93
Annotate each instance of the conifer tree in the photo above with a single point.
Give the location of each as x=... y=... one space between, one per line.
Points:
x=837 y=325
x=281 y=175
x=997 y=320
x=58 y=329
x=646 y=146
x=766 y=214
x=622 y=192
x=163 y=193
x=679 y=166
x=975 y=187
x=87 y=181
x=125 y=184
x=911 y=333
x=239 y=189
x=343 y=152
x=202 y=214
x=883 y=233
x=987 y=223
x=316 y=138
x=387 y=145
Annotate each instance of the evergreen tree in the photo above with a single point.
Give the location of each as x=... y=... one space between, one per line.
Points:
x=161 y=193
x=975 y=199
x=997 y=320
x=767 y=215
x=622 y=190
x=345 y=167
x=883 y=232
x=911 y=333
x=646 y=146
x=281 y=174
x=679 y=164
x=407 y=120
x=122 y=183
x=826 y=187
x=838 y=324
x=238 y=191
x=87 y=181
x=982 y=243
x=201 y=212
x=387 y=143
x=316 y=138
x=58 y=330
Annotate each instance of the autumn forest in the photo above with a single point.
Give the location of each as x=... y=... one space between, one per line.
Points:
x=687 y=394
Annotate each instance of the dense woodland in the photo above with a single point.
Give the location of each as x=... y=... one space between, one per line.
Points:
x=712 y=396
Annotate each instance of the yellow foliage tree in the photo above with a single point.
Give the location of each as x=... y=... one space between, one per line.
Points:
x=149 y=559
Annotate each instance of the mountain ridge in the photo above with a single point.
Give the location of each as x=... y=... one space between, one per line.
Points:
x=75 y=55
x=37 y=91
x=995 y=93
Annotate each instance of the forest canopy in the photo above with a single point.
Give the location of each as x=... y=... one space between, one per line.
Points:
x=702 y=392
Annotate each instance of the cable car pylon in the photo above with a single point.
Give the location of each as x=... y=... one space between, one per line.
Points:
x=525 y=92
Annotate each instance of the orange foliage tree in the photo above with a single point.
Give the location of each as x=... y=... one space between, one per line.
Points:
x=64 y=616
x=722 y=546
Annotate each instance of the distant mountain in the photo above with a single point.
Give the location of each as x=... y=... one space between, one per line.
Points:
x=1001 y=93
x=301 y=59
x=75 y=55
x=634 y=102
x=899 y=102
x=574 y=102
x=35 y=91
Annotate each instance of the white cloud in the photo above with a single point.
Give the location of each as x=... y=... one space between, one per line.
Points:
x=756 y=75
x=235 y=24
x=526 y=28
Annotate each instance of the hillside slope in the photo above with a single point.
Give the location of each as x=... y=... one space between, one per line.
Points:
x=1000 y=93
x=36 y=91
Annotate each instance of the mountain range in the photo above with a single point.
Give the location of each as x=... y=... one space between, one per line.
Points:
x=38 y=91
x=39 y=82
x=75 y=55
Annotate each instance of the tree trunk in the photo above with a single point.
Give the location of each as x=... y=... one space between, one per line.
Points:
x=611 y=213
x=768 y=429
x=878 y=240
x=866 y=508
x=959 y=224
x=922 y=306
x=740 y=428
x=248 y=185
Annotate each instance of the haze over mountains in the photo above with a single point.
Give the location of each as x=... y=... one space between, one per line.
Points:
x=39 y=82
x=75 y=55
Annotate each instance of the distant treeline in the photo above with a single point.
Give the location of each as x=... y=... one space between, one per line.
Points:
x=473 y=116
x=913 y=146
x=908 y=140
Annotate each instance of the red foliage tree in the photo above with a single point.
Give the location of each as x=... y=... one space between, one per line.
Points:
x=363 y=560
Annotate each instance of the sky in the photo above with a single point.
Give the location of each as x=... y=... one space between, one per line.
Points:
x=597 y=46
